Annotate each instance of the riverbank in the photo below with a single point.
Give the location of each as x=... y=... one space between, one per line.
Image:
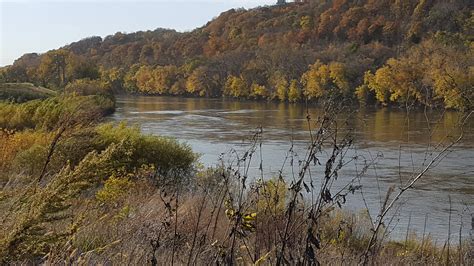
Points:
x=77 y=190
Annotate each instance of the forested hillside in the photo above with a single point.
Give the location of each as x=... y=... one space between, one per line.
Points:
x=77 y=191
x=400 y=52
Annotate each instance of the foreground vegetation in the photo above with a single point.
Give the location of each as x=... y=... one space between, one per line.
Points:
x=55 y=157
x=78 y=191
x=378 y=52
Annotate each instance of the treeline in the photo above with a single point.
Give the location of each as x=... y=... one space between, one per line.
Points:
x=379 y=52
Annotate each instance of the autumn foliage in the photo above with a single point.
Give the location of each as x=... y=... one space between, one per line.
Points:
x=380 y=52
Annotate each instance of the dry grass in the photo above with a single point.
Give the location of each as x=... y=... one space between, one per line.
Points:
x=139 y=227
x=21 y=92
x=113 y=205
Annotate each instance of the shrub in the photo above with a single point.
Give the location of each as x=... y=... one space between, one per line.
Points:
x=168 y=156
x=85 y=87
x=114 y=188
x=14 y=143
x=31 y=160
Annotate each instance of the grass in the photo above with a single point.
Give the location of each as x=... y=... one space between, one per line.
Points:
x=75 y=192
x=138 y=226
x=22 y=92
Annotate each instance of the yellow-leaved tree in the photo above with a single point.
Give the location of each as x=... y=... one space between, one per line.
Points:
x=451 y=74
x=294 y=92
x=236 y=87
x=199 y=82
x=398 y=81
x=280 y=86
x=322 y=80
x=144 y=79
x=430 y=73
x=258 y=91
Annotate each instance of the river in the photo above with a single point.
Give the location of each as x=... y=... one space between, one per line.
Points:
x=398 y=141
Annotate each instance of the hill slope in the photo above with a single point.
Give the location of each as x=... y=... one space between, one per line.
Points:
x=21 y=92
x=417 y=52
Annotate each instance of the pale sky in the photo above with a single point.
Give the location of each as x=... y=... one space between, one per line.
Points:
x=28 y=26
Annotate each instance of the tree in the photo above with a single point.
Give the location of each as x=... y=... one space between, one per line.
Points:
x=236 y=87
x=79 y=67
x=52 y=69
x=280 y=85
x=113 y=78
x=314 y=80
x=294 y=92
x=202 y=82
x=338 y=75
x=147 y=55
x=381 y=93
x=59 y=67
x=270 y=46
x=163 y=78
x=16 y=73
x=179 y=87
x=323 y=80
x=450 y=71
x=398 y=81
x=3 y=75
x=259 y=91
x=85 y=87
x=306 y=23
x=144 y=80
x=129 y=80
x=455 y=87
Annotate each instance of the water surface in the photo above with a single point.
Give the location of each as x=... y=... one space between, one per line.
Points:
x=396 y=141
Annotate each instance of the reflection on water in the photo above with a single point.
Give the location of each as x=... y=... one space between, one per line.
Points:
x=216 y=126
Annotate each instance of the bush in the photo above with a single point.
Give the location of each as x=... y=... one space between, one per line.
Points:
x=31 y=160
x=168 y=156
x=14 y=143
x=85 y=87
x=114 y=188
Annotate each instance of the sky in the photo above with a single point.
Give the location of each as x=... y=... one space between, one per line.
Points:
x=28 y=26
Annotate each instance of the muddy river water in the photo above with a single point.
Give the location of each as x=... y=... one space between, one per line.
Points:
x=396 y=142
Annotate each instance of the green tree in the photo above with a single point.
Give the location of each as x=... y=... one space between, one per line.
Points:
x=79 y=67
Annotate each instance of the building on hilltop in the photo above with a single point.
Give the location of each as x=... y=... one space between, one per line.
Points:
x=281 y=2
